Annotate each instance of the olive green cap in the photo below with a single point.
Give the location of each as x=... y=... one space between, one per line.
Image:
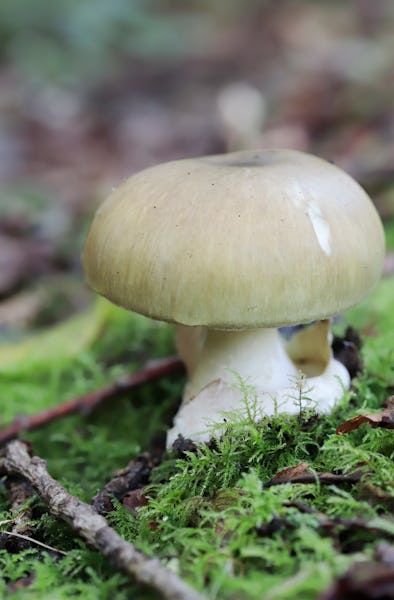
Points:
x=249 y=239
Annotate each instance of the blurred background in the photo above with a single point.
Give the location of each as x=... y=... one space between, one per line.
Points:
x=94 y=90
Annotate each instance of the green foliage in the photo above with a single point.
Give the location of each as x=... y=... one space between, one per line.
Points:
x=224 y=545
x=212 y=511
x=81 y=574
x=268 y=446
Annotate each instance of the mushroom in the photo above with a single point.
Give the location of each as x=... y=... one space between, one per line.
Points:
x=231 y=247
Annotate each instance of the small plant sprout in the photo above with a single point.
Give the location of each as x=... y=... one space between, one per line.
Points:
x=247 y=413
x=229 y=248
x=301 y=399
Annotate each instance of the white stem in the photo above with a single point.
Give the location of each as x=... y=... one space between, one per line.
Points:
x=260 y=359
x=189 y=341
x=257 y=356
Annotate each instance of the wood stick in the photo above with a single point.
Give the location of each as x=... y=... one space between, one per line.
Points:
x=87 y=403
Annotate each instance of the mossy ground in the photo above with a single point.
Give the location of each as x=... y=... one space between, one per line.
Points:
x=207 y=511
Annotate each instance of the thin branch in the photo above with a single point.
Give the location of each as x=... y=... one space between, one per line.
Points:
x=377 y=526
x=7 y=522
x=93 y=528
x=326 y=478
x=88 y=402
x=27 y=538
x=20 y=495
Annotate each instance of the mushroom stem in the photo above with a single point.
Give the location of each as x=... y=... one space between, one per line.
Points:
x=189 y=342
x=256 y=355
x=260 y=359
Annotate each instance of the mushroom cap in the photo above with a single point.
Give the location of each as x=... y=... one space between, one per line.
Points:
x=248 y=239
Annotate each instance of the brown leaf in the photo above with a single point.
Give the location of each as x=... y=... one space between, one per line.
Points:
x=20 y=584
x=301 y=474
x=384 y=418
x=125 y=482
x=134 y=499
x=289 y=474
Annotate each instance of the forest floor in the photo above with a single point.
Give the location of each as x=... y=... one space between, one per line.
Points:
x=286 y=508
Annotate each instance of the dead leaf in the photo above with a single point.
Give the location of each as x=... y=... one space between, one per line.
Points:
x=384 y=419
x=302 y=474
x=21 y=583
x=133 y=500
x=127 y=485
x=289 y=474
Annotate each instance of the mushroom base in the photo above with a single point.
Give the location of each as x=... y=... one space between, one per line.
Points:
x=282 y=377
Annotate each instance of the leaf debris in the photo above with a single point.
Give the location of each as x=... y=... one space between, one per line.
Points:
x=384 y=419
x=301 y=473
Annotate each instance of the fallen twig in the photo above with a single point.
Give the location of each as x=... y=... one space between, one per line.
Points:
x=20 y=494
x=378 y=525
x=376 y=495
x=93 y=528
x=88 y=402
x=27 y=538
